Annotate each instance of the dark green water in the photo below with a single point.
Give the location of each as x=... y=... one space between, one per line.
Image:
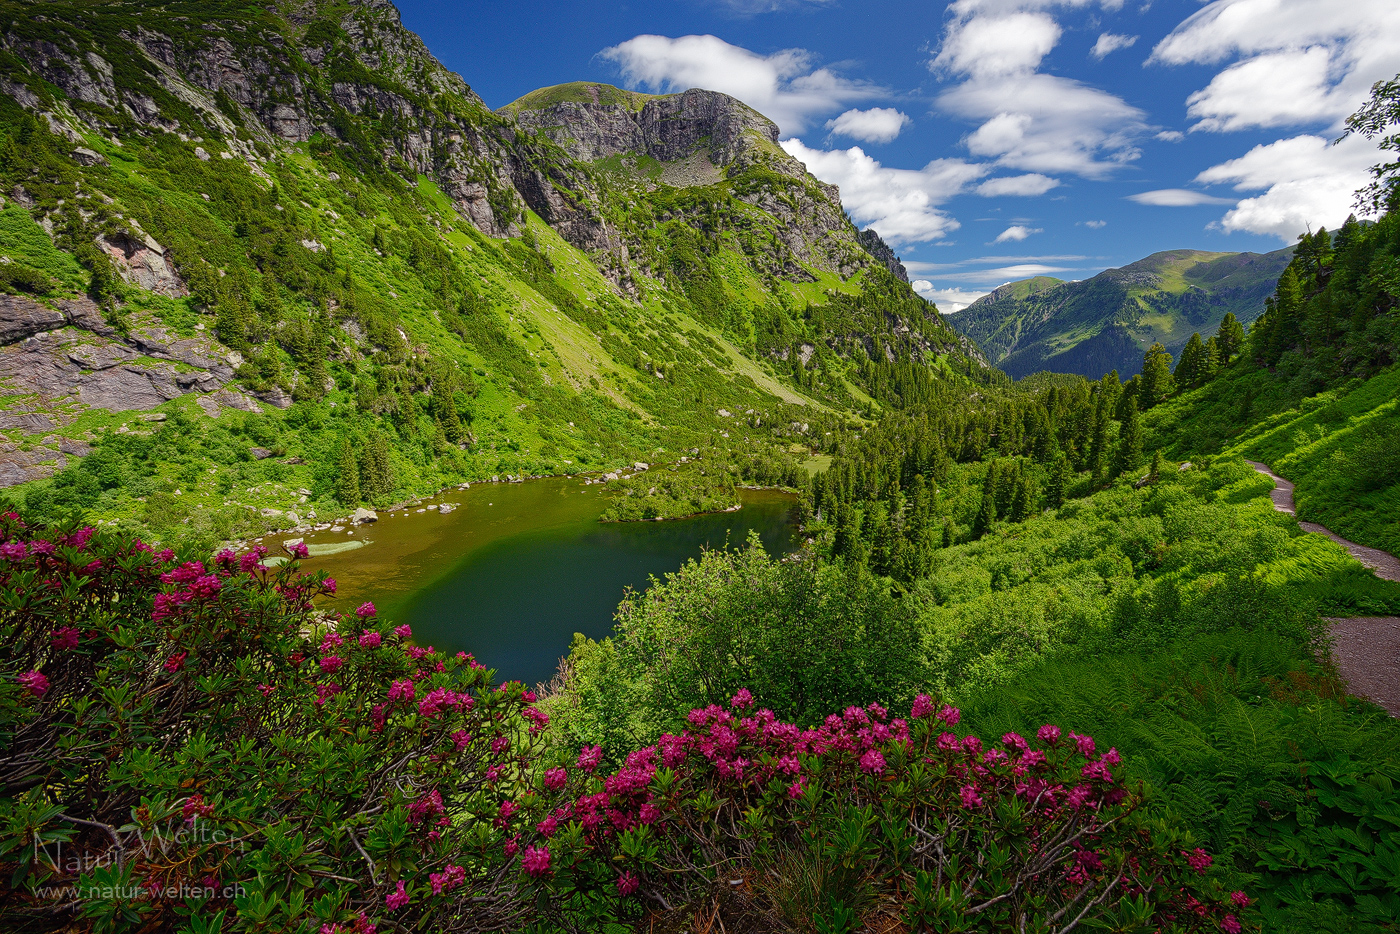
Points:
x=517 y=569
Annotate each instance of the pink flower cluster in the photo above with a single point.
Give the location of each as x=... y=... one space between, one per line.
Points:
x=439 y=699
x=535 y=861
x=447 y=880
x=34 y=682
x=427 y=806
x=742 y=751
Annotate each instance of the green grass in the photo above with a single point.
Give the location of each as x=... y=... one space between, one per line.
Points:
x=1340 y=448
x=578 y=92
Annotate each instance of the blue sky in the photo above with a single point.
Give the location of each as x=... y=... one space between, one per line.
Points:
x=990 y=140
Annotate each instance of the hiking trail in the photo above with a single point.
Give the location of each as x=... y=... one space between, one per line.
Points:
x=1366 y=648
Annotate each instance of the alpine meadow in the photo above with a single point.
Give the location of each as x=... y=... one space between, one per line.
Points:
x=1085 y=614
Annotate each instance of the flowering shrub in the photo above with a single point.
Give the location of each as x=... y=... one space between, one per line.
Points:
x=168 y=729
x=180 y=740
x=867 y=817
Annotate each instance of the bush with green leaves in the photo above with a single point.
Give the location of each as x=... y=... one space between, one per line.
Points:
x=867 y=822
x=184 y=744
x=817 y=636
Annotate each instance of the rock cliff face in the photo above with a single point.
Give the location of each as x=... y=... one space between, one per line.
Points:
x=695 y=139
x=56 y=357
x=346 y=67
x=296 y=196
x=879 y=249
x=667 y=128
x=237 y=71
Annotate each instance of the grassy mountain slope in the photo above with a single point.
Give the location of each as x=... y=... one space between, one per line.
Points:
x=1104 y=323
x=270 y=262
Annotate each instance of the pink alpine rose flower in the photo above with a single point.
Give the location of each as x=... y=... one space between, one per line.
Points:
x=34 y=682
x=65 y=638
x=535 y=861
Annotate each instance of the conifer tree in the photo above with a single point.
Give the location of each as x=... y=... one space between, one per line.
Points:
x=1098 y=448
x=377 y=476
x=1060 y=478
x=1155 y=473
x=1230 y=336
x=1213 y=359
x=1130 y=391
x=347 y=480
x=1111 y=388
x=1023 y=501
x=1129 y=453
x=987 y=511
x=1194 y=365
x=1281 y=329
x=1156 y=377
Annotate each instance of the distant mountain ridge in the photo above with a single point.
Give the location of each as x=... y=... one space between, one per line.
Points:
x=1106 y=322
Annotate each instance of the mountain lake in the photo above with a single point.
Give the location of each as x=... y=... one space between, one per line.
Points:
x=515 y=569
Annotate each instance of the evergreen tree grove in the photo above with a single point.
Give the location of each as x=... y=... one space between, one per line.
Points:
x=1230 y=336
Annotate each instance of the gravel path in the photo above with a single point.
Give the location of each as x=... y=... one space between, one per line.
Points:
x=1366 y=648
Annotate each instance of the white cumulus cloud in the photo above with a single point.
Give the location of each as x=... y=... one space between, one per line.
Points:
x=1109 y=43
x=876 y=125
x=1277 y=89
x=993 y=46
x=1095 y=225
x=786 y=86
x=1297 y=61
x=1016 y=232
x=1176 y=198
x=1026 y=186
x=902 y=204
x=949 y=301
x=1028 y=120
x=1306 y=182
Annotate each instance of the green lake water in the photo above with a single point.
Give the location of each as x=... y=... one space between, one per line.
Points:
x=518 y=568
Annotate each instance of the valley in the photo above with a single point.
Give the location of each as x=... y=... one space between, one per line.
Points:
x=1105 y=323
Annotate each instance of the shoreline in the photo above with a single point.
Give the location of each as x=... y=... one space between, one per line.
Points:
x=347 y=523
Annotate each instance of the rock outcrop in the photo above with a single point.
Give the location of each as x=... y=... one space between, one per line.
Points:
x=879 y=249
x=142 y=261
x=69 y=354
x=608 y=122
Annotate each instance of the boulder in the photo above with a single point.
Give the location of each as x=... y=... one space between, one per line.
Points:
x=142 y=261
x=445 y=508
x=84 y=156
x=276 y=396
x=259 y=454
x=364 y=516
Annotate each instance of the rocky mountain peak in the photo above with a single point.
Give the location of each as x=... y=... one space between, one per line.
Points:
x=593 y=122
